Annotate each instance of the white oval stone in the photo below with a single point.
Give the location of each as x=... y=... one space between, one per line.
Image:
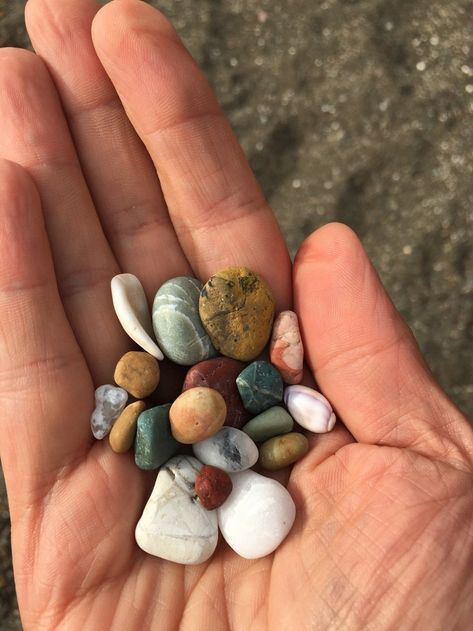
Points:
x=309 y=408
x=174 y=525
x=131 y=307
x=257 y=516
x=109 y=404
x=229 y=449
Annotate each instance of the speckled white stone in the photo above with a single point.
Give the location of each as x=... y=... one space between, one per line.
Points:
x=229 y=449
x=309 y=408
x=131 y=307
x=257 y=515
x=174 y=525
x=109 y=404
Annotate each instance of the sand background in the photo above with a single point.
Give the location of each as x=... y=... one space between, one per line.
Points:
x=358 y=111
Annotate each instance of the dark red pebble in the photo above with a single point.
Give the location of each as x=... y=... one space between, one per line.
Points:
x=220 y=374
x=212 y=486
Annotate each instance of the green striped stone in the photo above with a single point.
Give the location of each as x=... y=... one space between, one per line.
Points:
x=176 y=322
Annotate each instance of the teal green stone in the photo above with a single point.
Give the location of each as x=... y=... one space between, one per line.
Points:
x=177 y=324
x=260 y=386
x=270 y=423
x=154 y=442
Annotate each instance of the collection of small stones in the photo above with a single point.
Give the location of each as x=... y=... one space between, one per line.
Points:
x=234 y=410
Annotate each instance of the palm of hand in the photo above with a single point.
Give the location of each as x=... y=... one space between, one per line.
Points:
x=375 y=520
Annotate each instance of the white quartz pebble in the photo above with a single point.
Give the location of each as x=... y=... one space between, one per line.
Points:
x=229 y=449
x=309 y=408
x=131 y=307
x=109 y=404
x=174 y=525
x=257 y=515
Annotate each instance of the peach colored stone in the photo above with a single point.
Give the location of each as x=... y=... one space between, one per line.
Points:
x=286 y=350
x=197 y=414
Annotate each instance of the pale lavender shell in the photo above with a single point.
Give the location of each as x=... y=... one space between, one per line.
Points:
x=309 y=408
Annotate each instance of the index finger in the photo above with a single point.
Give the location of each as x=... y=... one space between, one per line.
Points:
x=215 y=203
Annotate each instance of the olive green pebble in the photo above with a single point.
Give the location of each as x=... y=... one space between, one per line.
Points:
x=281 y=451
x=272 y=422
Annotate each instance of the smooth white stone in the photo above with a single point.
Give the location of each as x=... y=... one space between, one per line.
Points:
x=309 y=408
x=229 y=449
x=131 y=307
x=257 y=516
x=174 y=525
x=109 y=404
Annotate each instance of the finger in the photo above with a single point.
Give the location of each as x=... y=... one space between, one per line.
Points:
x=117 y=167
x=216 y=206
x=363 y=355
x=35 y=135
x=45 y=387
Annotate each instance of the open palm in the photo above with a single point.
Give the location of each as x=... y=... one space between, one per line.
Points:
x=383 y=535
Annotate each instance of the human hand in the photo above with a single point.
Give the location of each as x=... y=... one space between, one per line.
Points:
x=383 y=535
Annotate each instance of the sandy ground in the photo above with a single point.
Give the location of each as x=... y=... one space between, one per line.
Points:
x=359 y=111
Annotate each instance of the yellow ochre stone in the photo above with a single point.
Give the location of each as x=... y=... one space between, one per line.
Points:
x=237 y=309
x=137 y=373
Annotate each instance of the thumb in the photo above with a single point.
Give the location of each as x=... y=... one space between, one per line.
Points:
x=364 y=357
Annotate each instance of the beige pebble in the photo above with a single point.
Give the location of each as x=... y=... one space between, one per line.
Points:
x=123 y=431
x=281 y=451
x=137 y=373
x=197 y=414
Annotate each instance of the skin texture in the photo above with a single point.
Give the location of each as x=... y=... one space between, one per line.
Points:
x=383 y=536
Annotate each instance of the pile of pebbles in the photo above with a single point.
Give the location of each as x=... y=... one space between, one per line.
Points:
x=236 y=411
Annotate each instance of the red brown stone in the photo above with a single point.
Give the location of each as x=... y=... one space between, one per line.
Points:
x=212 y=486
x=220 y=374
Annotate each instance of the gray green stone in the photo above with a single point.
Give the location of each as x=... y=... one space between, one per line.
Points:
x=270 y=423
x=154 y=442
x=177 y=324
x=260 y=386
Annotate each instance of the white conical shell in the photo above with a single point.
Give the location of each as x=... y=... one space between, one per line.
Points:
x=131 y=307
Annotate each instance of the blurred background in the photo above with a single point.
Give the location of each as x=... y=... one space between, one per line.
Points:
x=358 y=111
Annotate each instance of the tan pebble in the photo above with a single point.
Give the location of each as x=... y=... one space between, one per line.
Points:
x=197 y=414
x=137 y=373
x=281 y=451
x=286 y=350
x=123 y=431
x=237 y=309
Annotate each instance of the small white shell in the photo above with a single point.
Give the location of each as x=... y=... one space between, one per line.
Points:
x=310 y=409
x=131 y=307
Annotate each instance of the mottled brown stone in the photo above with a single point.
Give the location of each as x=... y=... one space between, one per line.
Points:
x=123 y=431
x=137 y=373
x=197 y=414
x=237 y=308
x=220 y=374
